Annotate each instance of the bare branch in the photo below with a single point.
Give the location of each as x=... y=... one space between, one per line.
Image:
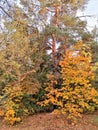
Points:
x=5 y=12
x=85 y=16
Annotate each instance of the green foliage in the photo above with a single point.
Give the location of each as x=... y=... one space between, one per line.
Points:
x=31 y=80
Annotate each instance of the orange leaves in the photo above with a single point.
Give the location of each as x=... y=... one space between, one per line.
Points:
x=76 y=66
x=75 y=95
x=77 y=72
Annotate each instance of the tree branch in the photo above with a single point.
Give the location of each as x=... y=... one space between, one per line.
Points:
x=5 y=12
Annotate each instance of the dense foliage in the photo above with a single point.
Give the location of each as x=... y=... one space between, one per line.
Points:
x=75 y=95
x=46 y=65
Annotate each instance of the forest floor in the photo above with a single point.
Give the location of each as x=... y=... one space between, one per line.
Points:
x=48 y=121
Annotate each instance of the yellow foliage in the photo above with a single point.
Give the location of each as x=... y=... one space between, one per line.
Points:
x=77 y=74
x=76 y=94
x=10 y=117
x=1 y=113
x=14 y=96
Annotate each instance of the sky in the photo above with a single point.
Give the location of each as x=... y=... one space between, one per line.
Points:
x=91 y=9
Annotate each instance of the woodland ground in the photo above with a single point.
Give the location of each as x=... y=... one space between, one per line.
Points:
x=48 y=121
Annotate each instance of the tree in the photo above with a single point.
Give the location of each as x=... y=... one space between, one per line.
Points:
x=22 y=53
x=28 y=73
x=20 y=59
x=56 y=19
x=75 y=95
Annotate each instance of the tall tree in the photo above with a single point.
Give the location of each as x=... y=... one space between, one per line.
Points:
x=57 y=20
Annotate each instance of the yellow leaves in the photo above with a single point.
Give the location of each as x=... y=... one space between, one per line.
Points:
x=77 y=72
x=75 y=94
x=94 y=92
x=12 y=102
x=95 y=100
x=75 y=2
x=75 y=66
x=83 y=104
x=10 y=117
x=1 y=113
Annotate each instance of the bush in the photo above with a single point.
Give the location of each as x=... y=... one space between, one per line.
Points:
x=76 y=95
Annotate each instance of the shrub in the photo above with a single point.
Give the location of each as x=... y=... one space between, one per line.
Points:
x=12 y=104
x=76 y=95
